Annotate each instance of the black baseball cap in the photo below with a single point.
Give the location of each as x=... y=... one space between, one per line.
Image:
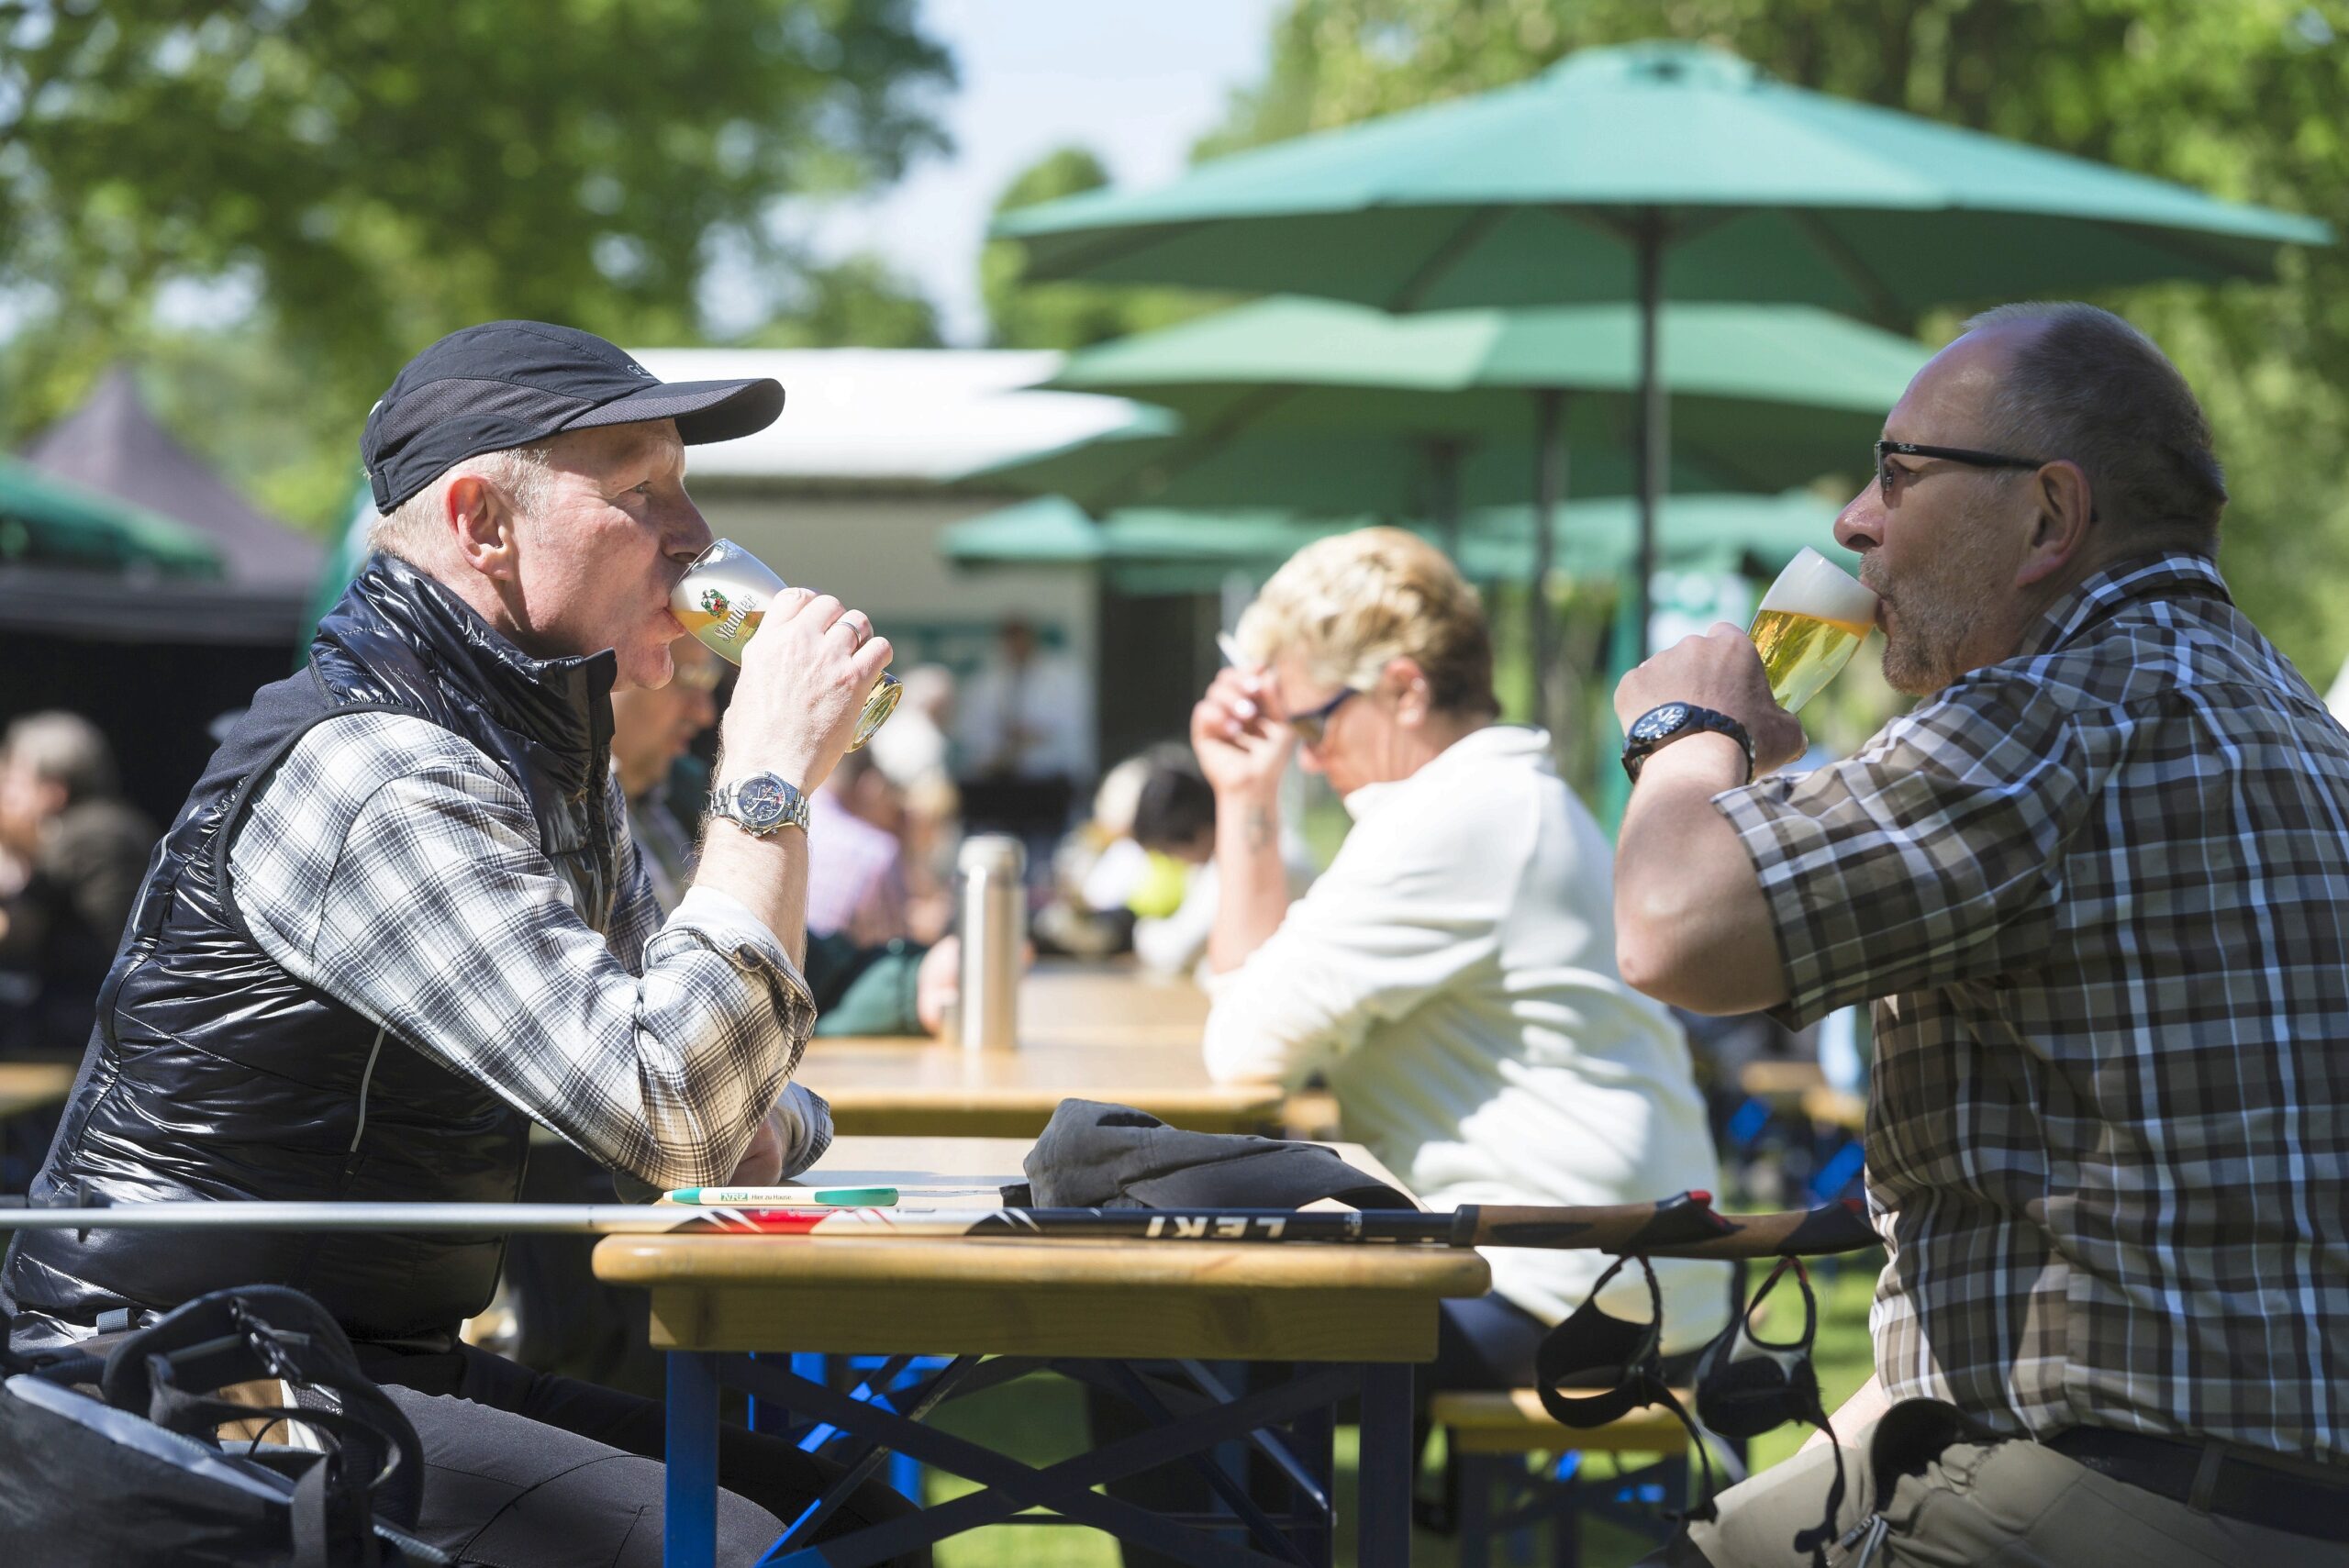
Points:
x=514 y=384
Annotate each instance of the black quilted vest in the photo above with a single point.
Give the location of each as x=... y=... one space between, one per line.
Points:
x=214 y=1074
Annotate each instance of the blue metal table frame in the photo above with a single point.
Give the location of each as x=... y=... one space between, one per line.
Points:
x=1198 y=1419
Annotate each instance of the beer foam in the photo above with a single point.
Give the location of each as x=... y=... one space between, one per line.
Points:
x=1813 y=585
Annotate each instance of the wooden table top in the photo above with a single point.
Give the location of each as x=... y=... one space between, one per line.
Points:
x=927 y=1088
x=1095 y=1032
x=836 y=1295
x=29 y=1085
x=1109 y=1004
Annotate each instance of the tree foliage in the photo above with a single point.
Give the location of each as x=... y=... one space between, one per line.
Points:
x=375 y=175
x=2242 y=99
x=858 y=302
x=1024 y=315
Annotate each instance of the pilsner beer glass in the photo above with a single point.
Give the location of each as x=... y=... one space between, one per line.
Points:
x=1811 y=621
x=724 y=595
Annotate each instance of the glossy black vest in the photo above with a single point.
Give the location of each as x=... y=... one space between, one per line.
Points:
x=214 y=1073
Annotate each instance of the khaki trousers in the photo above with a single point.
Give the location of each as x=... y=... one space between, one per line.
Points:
x=1979 y=1505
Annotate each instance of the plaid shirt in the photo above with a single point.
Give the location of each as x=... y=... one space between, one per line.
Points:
x=391 y=864
x=2102 y=891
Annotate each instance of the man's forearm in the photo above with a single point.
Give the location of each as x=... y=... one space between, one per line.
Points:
x=1251 y=884
x=1691 y=925
x=768 y=876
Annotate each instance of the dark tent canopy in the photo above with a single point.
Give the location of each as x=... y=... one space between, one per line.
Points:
x=112 y=444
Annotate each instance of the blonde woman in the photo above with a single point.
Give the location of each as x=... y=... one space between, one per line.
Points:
x=1452 y=973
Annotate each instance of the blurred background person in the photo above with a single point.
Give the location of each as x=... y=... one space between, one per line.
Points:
x=1453 y=972
x=78 y=853
x=1174 y=823
x=856 y=880
x=1024 y=728
x=654 y=729
x=913 y=747
x=914 y=751
x=1096 y=872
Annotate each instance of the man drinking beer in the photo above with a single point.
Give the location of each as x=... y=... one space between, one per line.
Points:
x=400 y=920
x=2098 y=885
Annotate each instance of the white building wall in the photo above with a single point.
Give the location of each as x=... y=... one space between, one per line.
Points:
x=878 y=551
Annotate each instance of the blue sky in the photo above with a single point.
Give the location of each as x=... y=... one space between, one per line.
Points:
x=1137 y=81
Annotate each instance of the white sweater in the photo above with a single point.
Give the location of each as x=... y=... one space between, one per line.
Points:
x=1454 y=975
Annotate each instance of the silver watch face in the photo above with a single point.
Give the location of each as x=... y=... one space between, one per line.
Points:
x=760 y=801
x=1659 y=722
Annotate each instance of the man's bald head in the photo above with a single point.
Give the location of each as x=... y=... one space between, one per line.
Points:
x=2076 y=383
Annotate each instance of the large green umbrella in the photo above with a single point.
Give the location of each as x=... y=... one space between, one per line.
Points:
x=47 y=521
x=1153 y=463
x=1145 y=550
x=1186 y=551
x=1647 y=172
x=1764 y=396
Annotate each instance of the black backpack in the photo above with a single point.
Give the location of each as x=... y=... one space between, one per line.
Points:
x=134 y=1478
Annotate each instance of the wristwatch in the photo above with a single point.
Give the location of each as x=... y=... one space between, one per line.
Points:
x=759 y=804
x=1660 y=725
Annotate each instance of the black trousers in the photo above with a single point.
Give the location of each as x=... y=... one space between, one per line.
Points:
x=523 y=1469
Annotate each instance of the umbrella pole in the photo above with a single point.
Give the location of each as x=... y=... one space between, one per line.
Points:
x=1549 y=488
x=1656 y=430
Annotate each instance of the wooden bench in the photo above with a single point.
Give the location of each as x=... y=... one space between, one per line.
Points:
x=1490 y=1438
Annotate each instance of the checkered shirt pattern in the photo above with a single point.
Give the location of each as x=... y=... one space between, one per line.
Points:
x=2100 y=892
x=394 y=866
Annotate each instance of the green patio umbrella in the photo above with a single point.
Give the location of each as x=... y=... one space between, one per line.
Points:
x=1152 y=462
x=47 y=521
x=1145 y=551
x=1184 y=551
x=1651 y=172
x=1764 y=396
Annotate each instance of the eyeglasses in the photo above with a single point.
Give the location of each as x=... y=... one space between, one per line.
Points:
x=1887 y=475
x=1313 y=727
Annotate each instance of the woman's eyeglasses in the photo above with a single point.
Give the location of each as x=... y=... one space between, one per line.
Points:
x=1313 y=727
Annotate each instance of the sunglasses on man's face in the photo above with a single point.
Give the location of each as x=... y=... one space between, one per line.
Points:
x=1313 y=725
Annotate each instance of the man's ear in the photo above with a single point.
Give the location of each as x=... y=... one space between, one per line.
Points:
x=2065 y=509
x=481 y=526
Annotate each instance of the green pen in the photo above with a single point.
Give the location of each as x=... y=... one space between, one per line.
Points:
x=787 y=1197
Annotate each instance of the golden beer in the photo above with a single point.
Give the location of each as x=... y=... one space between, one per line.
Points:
x=724 y=595
x=1811 y=621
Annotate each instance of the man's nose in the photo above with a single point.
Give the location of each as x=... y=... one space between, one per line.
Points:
x=687 y=530
x=1860 y=525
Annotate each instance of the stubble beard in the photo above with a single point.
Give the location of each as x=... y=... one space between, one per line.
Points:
x=1933 y=617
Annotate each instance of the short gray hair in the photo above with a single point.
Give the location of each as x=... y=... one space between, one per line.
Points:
x=2089 y=387
x=65 y=748
x=411 y=530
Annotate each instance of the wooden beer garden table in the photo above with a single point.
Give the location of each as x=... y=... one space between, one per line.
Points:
x=33 y=1085
x=1346 y=1321
x=1092 y=1032
x=927 y=1088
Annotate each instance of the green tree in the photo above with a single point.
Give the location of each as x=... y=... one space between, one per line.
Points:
x=381 y=175
x=2240 y=99
x=1024 y=315
x=858 y=303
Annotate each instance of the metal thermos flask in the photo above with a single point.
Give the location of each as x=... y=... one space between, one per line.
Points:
x=995 y=928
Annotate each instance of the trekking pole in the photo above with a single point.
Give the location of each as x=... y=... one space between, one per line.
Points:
x=1686 y=1226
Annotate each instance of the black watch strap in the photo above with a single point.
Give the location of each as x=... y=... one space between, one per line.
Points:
x=1667 y=722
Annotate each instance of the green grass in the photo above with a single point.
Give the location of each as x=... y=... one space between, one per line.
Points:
x=1042 y=1419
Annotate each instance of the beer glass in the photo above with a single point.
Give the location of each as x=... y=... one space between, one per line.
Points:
x=724 y=595
x=1811 y=621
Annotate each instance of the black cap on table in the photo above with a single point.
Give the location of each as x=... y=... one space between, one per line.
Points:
x=515 y=384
